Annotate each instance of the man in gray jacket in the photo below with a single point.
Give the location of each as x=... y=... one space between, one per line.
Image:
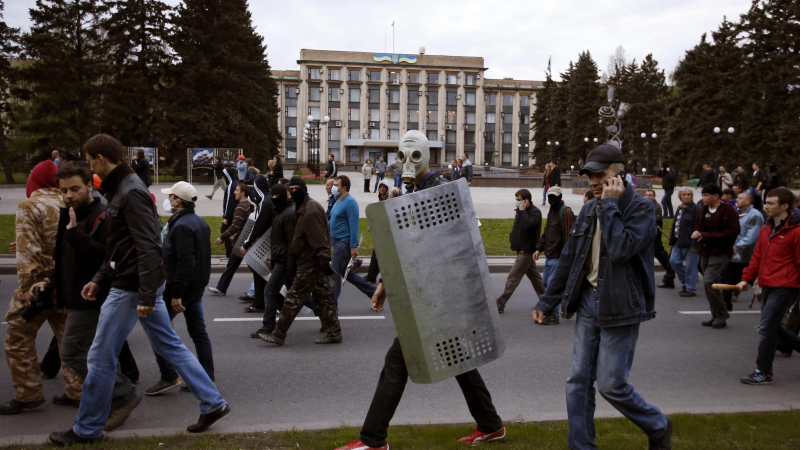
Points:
x=750 y=223
x=380 y=169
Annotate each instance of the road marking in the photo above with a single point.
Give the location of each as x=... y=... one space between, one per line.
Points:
x=254 y=319
x=709 y=312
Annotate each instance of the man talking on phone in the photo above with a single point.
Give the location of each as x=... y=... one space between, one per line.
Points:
x=606 y=276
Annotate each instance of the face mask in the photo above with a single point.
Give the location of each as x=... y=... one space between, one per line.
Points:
x=414 y=154
x=335 y=191
x=167 y=206
x=517 y=204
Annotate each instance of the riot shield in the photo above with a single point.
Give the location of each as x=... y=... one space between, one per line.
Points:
x=258 y=254
x=247 y=228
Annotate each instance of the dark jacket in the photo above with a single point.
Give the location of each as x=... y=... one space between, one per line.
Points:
x=331 y=202
x=720 y=238
x=282 y=233
x=626 y=278
x=708 y=177
x=685 y=225
x=229 y=201
x=311 y=243
x=526 y=229
x=333 y=169
x=759 y=177
x=187 y=255
x=455 y=172
x=555 y=176
x=142 y=168
x=219 y=168
x=275 y=174
x=134 y=240
x=79 y=255
x=774 y=180
x=742 y=180
x=556 y=231
x=466 y=172
x=668 y=179
x=264 y=211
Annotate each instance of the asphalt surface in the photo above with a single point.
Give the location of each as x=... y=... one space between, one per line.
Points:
x=679 y=367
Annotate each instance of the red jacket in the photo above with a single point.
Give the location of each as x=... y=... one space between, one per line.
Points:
x=776 y=260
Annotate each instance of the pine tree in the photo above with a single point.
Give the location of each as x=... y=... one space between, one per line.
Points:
x=9 y=48
x=559 y=120
x=540 y=125
x=63 y=84
x=584 y=102
x=224 y=95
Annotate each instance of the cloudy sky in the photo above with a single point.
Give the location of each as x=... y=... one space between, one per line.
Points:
x=515 y=37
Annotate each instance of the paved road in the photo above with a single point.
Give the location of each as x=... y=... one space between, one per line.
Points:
x=680 y=367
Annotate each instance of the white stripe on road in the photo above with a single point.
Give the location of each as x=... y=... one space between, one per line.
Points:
x=709 y=312
x=254 y=319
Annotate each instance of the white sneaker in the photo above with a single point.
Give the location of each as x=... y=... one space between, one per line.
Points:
x=216 y=291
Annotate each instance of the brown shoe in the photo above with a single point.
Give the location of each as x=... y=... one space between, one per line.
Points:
x=549 y=321
x=120 y=415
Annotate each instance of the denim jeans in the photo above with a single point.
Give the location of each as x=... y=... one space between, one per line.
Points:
x=273 y=300
x=544 y=196
x=378 y=178
x=252 y=291
x=118 y=316
x=604 y=355
x=687 y=275
x=666 y=203
x=398 y=180
x=341 y=256
x=196 y=325
x=549 y=269
x=774 y=304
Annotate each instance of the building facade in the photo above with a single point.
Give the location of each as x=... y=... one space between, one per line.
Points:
x=372 y=99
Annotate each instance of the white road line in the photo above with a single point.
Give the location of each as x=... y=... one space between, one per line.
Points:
x=258 y=319
x=709 y=312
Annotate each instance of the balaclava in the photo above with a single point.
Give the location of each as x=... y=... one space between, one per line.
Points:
x=282 y=199
x=300 y=195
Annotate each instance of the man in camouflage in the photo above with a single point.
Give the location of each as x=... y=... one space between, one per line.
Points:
x=36 y=227
x=309 y=267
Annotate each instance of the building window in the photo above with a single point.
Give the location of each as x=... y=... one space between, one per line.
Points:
x=291 y=111
x=394 y=115
x=354 y=94
x=470 y=118
x=355 y=114
x=394 y=96
x=433 y=97
x=394 y=77
x=506 y=138
x=353 y=133
x=313 y=94
x=452 y=78
x=354 y=75
x=334 y=94
x=374 y=134
x=508 y=118
x=335 y=75
x=394 y=135
x=314 y=112
x=354 y=155
x=524 y=119
x=490 y=117
x=433 y=78
x=489 y=137
x=432 y=117
x=413 y=77
x=431 y=134
x=333 y=134
x=374 y=115
x=375 y=76
x=491 y=99
x=314 y=74
x=374 y=95
x=335 y=113
x=508 y=100
x=291 y=92
x=413 y=115
x=471 y=80
x=524 y=100
x=451 y=117
x=450 y=137
x=469 y=137
x=451 y=99
x=413 y=97
x=470 y=99
x=291 y=132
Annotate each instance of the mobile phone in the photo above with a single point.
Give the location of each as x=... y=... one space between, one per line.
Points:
x=622 y=174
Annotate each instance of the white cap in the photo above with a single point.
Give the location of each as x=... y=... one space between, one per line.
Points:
x=555 y=190
x=183 y=191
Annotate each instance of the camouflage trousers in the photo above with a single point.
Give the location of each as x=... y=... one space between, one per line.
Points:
x=20 y=347
x=310 y=281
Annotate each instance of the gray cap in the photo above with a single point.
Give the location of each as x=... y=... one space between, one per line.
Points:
x=603 y=156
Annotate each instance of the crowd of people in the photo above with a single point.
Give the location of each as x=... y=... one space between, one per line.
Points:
x=94 y=258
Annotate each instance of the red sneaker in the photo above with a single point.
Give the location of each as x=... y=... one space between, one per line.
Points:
x=358 y=445
x=478 y=436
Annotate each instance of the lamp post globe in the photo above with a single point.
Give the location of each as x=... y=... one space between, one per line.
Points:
x=585 y=139
x=557 y=143
x=308 y=126
x=595 y=139
x=655 y=135
x=548 y=142
x=326 y=119
x=644 y=135
x=310 y=118
x=644 y=169
x=731 y=130
x=717 y=130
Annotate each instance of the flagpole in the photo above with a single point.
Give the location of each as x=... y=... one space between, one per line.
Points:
x=393 y=37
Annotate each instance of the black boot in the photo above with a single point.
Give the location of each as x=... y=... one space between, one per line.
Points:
x=206 y=420
x=16 y=407
x=64 y=438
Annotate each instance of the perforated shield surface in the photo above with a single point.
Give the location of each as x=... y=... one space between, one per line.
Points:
x=437 y=280
x=258 y=254
x=245 y=233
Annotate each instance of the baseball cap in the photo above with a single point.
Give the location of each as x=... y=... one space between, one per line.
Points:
x=603 y=156
x=241 y=157
x=555 y=190
x=183 y=191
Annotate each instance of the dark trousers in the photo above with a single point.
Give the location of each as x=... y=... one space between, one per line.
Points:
x=51 y=363
x=79 y=332
x=392 y=383
x=793 y=325
x=374 y=270
x=227 y=242
x=273 y=300
x=774 y=304
x=225 y=280
x=663 y=258
x=732 y=275
x=713 y=267
x=366 y=184
x=666 y=203
x=260 y=284
x=196 y=325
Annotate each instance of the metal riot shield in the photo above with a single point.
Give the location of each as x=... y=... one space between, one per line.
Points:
x=258 y=254
x=247 y=228
x=437 y=280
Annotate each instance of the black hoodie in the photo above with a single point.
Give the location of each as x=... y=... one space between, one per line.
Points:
x=264 y=211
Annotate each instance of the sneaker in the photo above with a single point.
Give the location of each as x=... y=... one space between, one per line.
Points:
x=64 y=438
x=216 y=291
x=478 y=436
x=223 y=259
x=549 y=321
x=358 y=445
x=666 y=286
x=63 y=400
x=162 y=386
x=757 y=377
x=119 y=415
x=255 y=334
x=271 y=338
x=718 y=323
x=687 y=294
x=665 y=441
x=209 y=197
x=206 y=420
x=16 y=407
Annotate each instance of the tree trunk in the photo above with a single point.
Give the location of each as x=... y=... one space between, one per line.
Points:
x=6 y=159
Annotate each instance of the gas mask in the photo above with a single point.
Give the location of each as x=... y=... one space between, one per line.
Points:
x=414 y=154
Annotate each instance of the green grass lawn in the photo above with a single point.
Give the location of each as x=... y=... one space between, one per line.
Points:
x=750 y=431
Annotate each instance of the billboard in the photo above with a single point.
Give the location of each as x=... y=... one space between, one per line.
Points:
x=202 y=156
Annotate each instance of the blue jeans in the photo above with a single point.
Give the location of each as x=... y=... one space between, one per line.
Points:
x=252 y=291
x=666 y=203
x=118 y=316
x=774 y=304
x=196 y=325
x=341 y=256
x=544 y=195
x=398 y=180
x=550 y=269
x=378 y=178
x=604 y=355
x=687 y=275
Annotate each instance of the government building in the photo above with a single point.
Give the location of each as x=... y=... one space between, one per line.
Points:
x=372 y=99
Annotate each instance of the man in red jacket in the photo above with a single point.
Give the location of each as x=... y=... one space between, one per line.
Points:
x=776 y=264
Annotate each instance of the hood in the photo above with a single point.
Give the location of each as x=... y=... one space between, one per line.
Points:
x=42 y=176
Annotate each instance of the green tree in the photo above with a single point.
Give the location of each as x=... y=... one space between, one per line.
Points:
x=9 y=48
x=584 y=102
x=541 y=128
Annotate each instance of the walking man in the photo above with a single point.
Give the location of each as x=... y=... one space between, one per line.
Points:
x=333 y=169
x=555 y=236
x=606 y=277
x=380 y=168
x=669 y=179
x=219 y=177
x=137 y=285
x=750 y=223
x=776 y=265
x=668 y=282
x=524 y=237
x=684 y=258
x=466 y=168
x=231 y=234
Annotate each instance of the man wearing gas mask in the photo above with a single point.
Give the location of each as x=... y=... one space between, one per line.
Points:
x=414 y=154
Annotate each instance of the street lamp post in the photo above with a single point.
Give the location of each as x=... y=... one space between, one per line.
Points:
x=647 y=147
x=312 y=136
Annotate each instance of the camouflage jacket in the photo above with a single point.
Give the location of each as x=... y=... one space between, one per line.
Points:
x=36 y=229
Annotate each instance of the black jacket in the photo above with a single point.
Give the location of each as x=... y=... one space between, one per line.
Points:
x=556 y=231
x=685 y=226
x=275 y=174
x=187 y=255
x=526 y=230
x=134 y=240
x=668 y=179
x=742 y=180
x=79 y=255
x=142 y=168
x=455 y=172
x=774 y=180
x=264 y=211
x=708 y=177
x=218 y=169
x=282 y=234
x=229 y=201
x=555 y=177
x=333 y=170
